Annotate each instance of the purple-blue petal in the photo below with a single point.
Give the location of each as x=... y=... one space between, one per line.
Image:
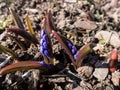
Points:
x=44 y=64
x=42 y=50
x=42 y=33
x=69 y=44
x=45 y=38
x=74 y=50
x=41 y=42
x=45 y=45
x=75 y=56
x=46 y=53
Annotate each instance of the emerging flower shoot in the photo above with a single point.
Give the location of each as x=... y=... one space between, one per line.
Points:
x=113 y=59
x=45 y=48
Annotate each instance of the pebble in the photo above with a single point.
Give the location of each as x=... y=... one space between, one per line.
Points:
x=78 y=88
x=101 y=72
x=85 y=71
x=89 y=25
x=109 y=37
x=70 y=1
x=103 y=86
x=2 y=5
x=86 y=85
x=116 y=78
x=33 y=4
x=61 y=24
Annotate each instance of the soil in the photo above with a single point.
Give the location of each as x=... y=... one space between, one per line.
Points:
x=79 y=22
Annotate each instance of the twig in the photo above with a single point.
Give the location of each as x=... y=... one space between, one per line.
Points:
x=72 y=75
x=5 y=62
x=24 y=76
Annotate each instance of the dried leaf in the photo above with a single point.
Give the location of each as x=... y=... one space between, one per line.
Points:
x=23 y=65
x=29 y=25
x=109 y=37
x=16 y=19
x=8 y=51
x=83 y=52
x=62 y=42
x=85 y=25
x=24 y=34
x=18 y=42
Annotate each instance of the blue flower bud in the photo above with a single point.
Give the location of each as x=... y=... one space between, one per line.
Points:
x=72 y=48
x=45 y=47
x=75 y=56
x=69 y=44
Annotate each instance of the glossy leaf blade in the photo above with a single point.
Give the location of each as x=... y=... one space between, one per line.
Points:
x=29 y=25
x=83 y=52
x=16 y=19
x=64 y=46
x=23 y=65
x=24 y=34
x=7 y=50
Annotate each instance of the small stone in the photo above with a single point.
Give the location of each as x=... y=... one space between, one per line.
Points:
x=2 y=5
x=116 y=78
x=109 y=37
x=101 y=72
x=61 y=24
x=86 y=85
x=61 y=15
x=103 y=86
x=37 y=55
x=89 y=25
x=85 y=71
x=33 y=4
x=71 y=1
x=77 y=88
x=30 y=10
x=109 y=88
